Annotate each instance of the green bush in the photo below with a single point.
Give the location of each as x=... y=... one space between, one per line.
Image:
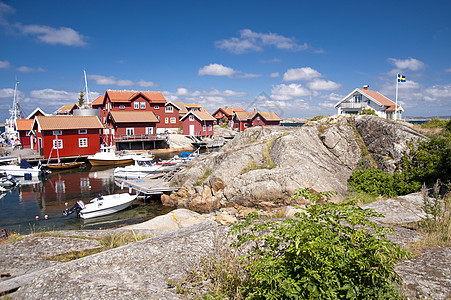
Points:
x=325 y=253
x=436 y=123
x=368 y=111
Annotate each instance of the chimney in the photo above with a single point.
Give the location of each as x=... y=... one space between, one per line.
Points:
x=255 y=109
x=366 y=87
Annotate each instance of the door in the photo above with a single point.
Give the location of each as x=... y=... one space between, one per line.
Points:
x=41 y=150
x=191 y=129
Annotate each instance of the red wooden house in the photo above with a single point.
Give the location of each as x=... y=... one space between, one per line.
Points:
x=243 y=120
x=198 y=123
x=139 y=101
x=221 y=114
x=66 y=136
x=139 y=124
x=23 y=126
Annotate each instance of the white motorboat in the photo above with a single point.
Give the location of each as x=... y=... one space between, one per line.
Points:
x=108 y=157
x=101 y=205
x=24 y=169
x=143 y=167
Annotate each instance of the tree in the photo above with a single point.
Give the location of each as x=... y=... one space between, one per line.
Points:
x=81 y=99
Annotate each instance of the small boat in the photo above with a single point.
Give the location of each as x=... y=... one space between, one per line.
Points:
x=101 y=205
x=143 y=167
x=108 y=157
x=63 y=166
x=24 y=169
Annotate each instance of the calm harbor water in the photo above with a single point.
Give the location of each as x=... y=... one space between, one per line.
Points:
x=60 y=190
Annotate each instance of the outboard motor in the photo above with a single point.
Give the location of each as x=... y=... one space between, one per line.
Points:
x=12 y=179
x=79 y=205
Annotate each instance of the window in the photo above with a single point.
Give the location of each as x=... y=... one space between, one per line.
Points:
x=130 y=131
x=143 y=105
x=357 y=98
x=57 y=144
x=83 y=142
x=173 y=120
x=166 y=120
x=156 y=107
x=209 y=127
x=104 y=120
x=121 y=106
x=149 y=130
x=57 y=132
x=169 y=109
x=258 y=118
x=82 y=131
x=204 y=128
x=136 y=105
x=191 y=118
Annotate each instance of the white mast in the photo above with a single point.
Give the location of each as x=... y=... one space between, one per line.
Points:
x=88 y=100
x=396 y=101
x=14 y=112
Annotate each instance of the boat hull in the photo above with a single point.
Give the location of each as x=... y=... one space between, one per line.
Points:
x=20 y=172
x=112 y=162
x=63 y=166
x=108 y=205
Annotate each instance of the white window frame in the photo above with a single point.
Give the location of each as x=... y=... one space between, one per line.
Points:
x=258 y=118
x=204 y=128
x=82 y=131
x=136 y=105
x=357 y=98
x=169 y=109
x=121 y=106
x=191 y=118
x=58 y=144
x=173 y=120
x=209 y=127
x=82 y=142
x=142 y=105
x=129 y=131
x=149 y=130
x=57 y=132
x=166 y=120
x=156 y=107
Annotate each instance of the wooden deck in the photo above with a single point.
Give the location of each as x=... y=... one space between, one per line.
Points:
x=151 y=185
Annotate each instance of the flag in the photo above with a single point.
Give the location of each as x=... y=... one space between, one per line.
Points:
x=401 y=78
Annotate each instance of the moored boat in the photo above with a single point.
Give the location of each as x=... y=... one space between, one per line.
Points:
x=101 y=205
x=23 y=169
x=108 y=157
x=63 y=166
x=143 y=167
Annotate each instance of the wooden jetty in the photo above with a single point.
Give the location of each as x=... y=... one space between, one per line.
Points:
x=150 y=185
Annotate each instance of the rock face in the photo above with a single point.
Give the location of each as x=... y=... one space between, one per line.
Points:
x=386 y=141
x=263 y=166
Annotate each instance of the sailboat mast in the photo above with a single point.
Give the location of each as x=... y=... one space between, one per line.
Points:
x=88 y=100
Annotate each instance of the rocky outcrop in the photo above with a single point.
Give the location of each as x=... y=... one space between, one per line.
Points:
x=264 y=166
x=386 y=141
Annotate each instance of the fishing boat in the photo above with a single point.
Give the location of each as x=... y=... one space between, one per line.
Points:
x=24 y=169
x=63 y=166
x=101 y=205
x=108 y=157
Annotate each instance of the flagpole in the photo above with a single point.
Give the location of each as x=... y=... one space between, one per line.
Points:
x=396 y=101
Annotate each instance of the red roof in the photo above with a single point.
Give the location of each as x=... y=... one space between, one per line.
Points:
x=128 y=96
x=24 y=124
x=378 y=97
x=98 y=100
x=228 y=111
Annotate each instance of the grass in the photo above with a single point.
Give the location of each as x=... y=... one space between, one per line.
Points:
x=267 y=161
x=206 y=174
x=107 y=242
x=360 y=198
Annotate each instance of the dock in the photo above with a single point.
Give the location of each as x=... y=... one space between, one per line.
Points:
x=150 y=185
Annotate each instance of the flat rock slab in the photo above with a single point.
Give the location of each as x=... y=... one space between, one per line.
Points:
x=141 y=270
x=427 y=276
x=400 y=210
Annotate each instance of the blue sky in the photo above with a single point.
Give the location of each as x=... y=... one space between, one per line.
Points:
x=296 y=58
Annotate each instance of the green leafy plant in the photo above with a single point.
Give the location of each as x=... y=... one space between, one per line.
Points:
x=206 y=174
x=329 y=252
x=313 y=197
x=368 y=111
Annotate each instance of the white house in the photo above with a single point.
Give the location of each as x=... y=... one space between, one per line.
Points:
x=360 y=99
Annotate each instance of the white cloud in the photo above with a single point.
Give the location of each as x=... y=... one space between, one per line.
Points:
x=26 y=69
x=255 y=41
x=274 y=75
x=410 y=63
x=182 y=91
x=7 y=93
x=216 y=70
x=324 y=85
x=438 y=93
x=306 y=73
x=112 y=80
x=4 y=64
x=49 y=35
x=288 y=92
x=220 y=70
x=448 y=70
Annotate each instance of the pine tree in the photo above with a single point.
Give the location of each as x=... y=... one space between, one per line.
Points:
x=81 y=99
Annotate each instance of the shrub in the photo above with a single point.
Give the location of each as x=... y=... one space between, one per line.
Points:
x=368 y=111
x=326 y=253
